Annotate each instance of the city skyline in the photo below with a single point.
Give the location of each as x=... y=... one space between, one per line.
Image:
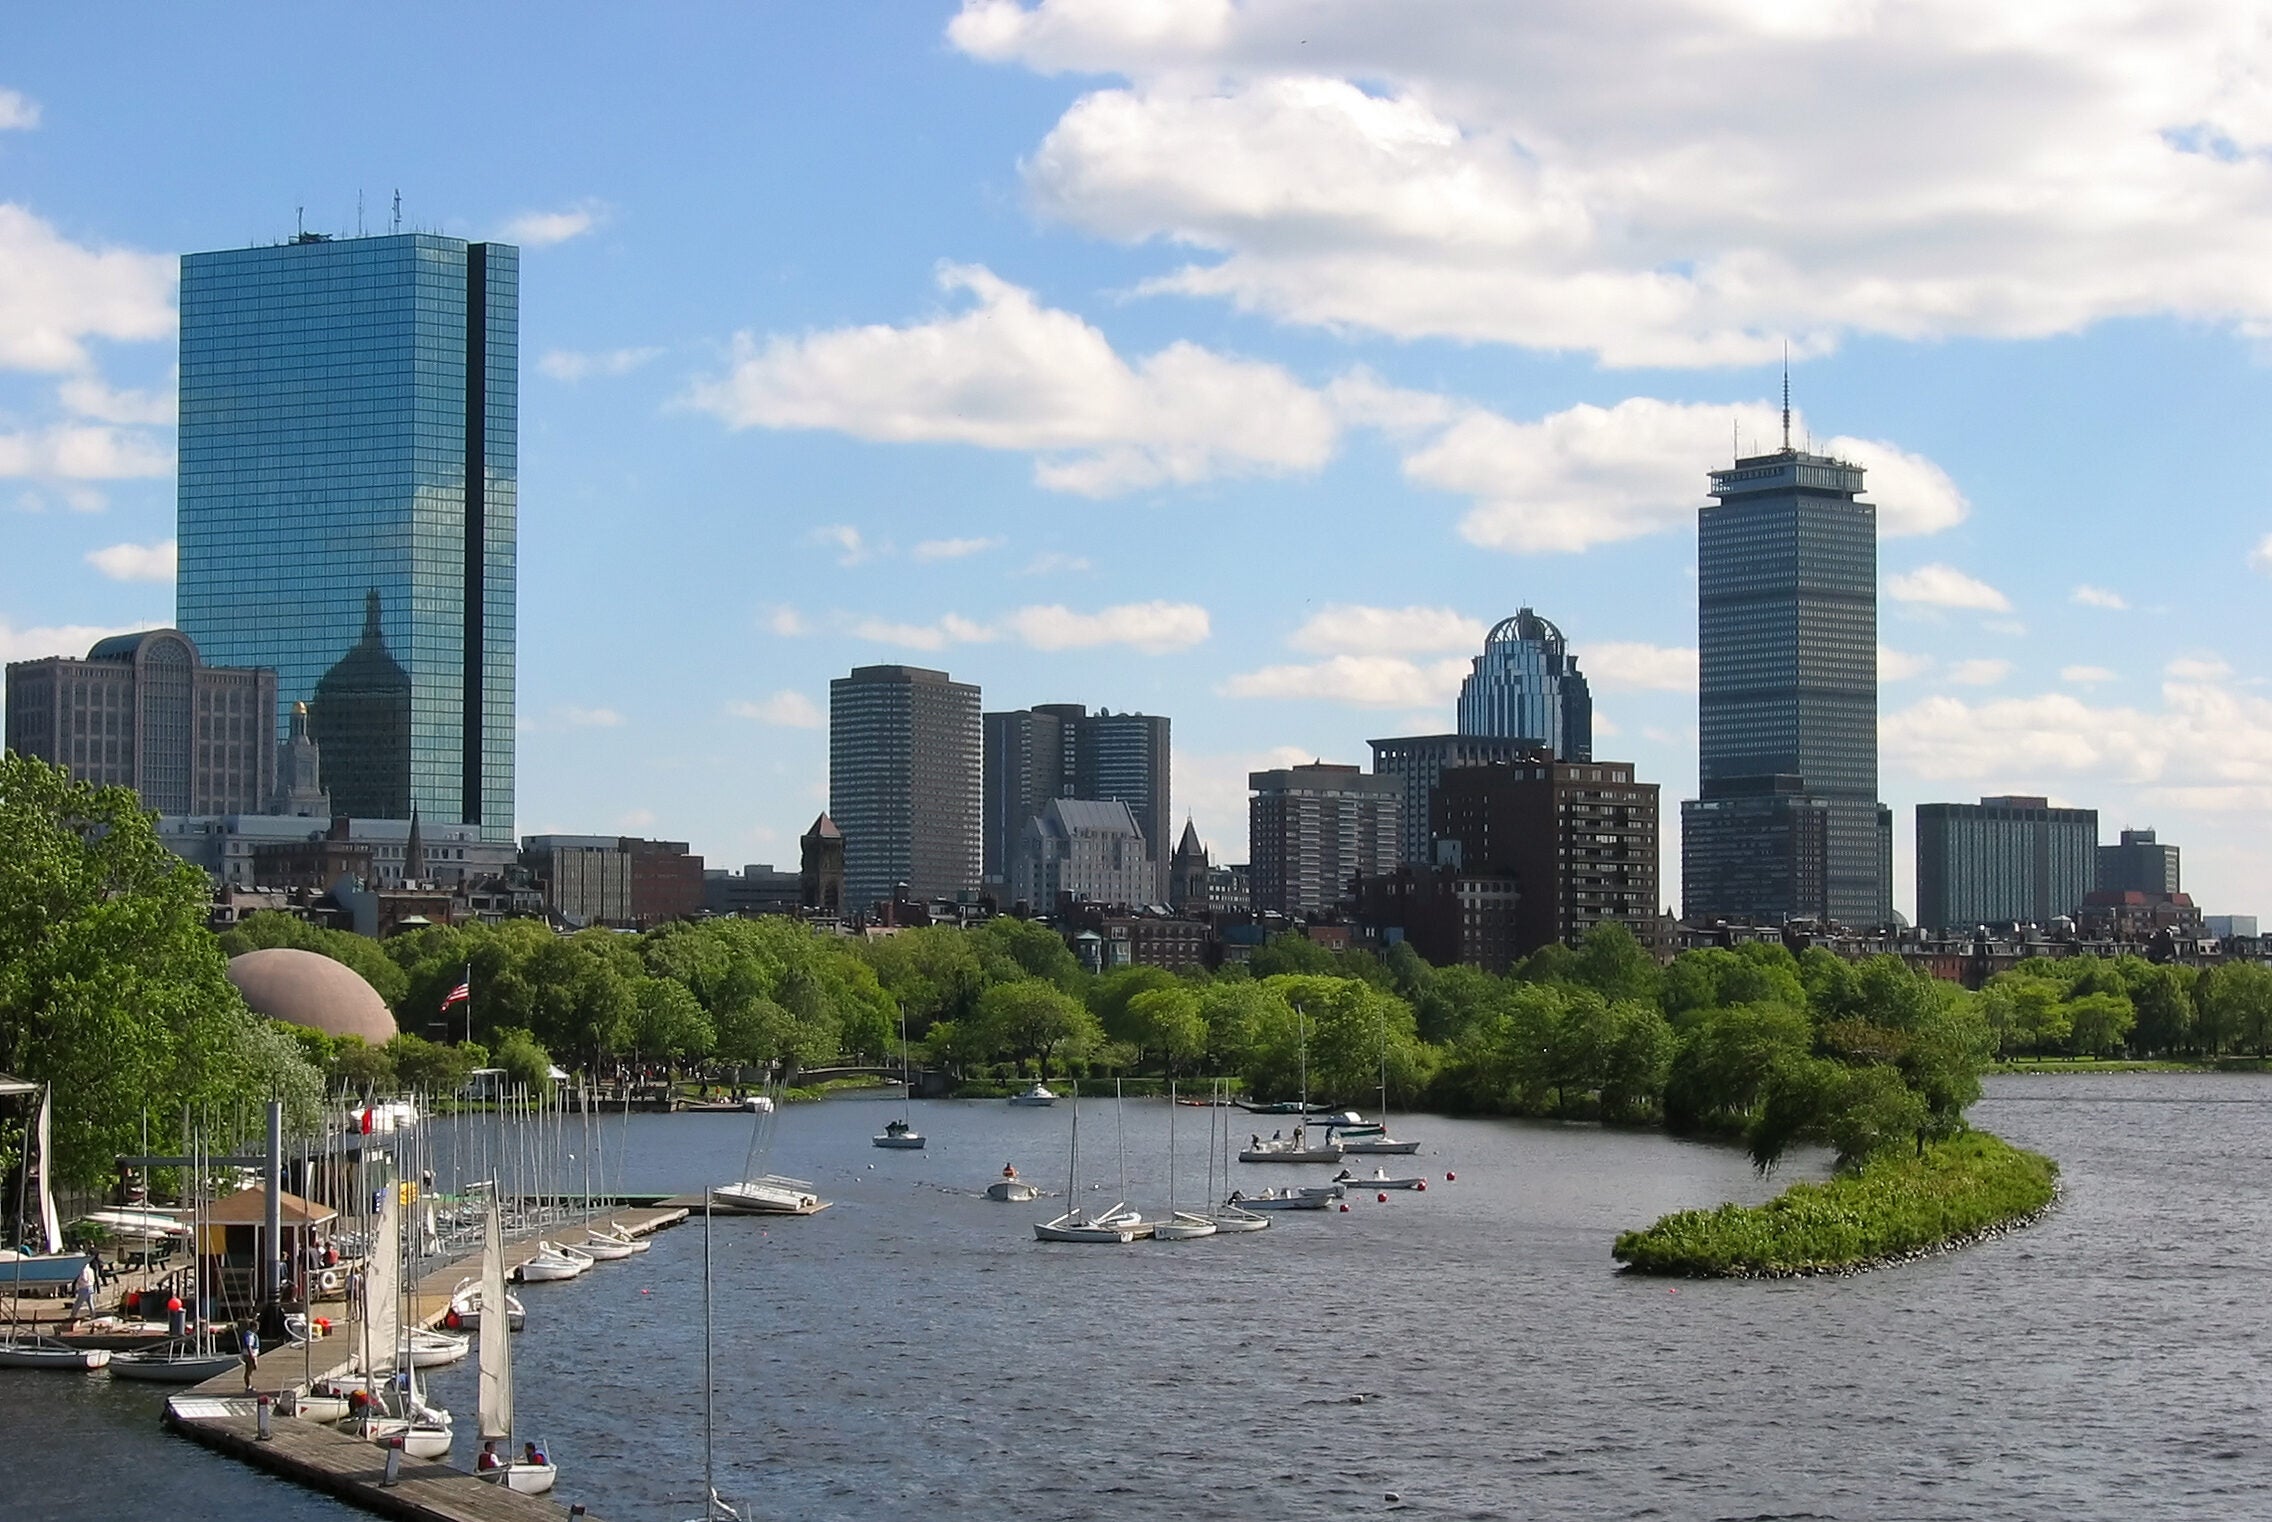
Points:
x=1272 y=467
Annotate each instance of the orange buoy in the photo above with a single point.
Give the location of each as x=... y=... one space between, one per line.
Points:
x=1382 y=1197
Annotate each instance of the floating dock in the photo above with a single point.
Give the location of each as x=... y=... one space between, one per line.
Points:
x=222 y=1416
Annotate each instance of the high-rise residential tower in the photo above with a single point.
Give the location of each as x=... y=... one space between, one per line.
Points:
x=1788 y=824
x=2002 y=861
x=903 y=782
x=2137 y=864
x=348 y=502
x=1526 y=686
x=1061 y=750
x=1314 y=829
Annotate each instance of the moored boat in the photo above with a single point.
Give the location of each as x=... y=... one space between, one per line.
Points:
x=1034 y=1094
x=466 y=1307
x=1274 y=1199
x=30 y=1350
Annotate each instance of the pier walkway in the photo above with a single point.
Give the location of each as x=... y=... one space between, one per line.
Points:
x=221 y=1415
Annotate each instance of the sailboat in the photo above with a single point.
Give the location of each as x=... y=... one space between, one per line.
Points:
x=766 y=1193
x=1295 y=1148
x=901 y=1133
x=423 y=1429
x=534 y=1474
x=713 y=1509
x=1231 y=1215
x=187 y=1360
x=1182 y=1225
x=32 y=1350
x=1375 y=1139
x=1077 y=1225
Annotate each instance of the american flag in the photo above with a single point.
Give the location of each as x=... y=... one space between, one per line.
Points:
x=462 y=994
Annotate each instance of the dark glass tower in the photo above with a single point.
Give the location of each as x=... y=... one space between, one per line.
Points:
x=1788 y=824
x=1526 y=686
x=348 y=504
x=1061 y=750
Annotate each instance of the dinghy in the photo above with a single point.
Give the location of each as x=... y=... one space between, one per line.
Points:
x=533 y=1472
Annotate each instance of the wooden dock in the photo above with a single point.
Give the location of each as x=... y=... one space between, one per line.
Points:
x=349 y=1468
x=221 y=1415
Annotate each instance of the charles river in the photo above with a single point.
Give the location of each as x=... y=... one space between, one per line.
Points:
x=1463 y=1353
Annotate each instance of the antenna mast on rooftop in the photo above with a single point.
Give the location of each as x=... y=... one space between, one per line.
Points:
x=1786 y=397
x=397 y=227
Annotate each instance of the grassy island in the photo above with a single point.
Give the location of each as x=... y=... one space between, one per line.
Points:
x=1895 y=1205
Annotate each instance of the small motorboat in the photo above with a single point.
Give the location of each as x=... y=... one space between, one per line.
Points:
x=1333 y=1191
x=758 y=1104
x=1339 y=1120
x=1274 y=1199
x=1009 y=1187
x=551 y=1264
x=31 y=1350
x=1292 y=1149
x=901 y=1136
x=1034 y=1094
x=465 y=1307
x=1380 y=1180
x=1379 y=1143
x=770 y=1194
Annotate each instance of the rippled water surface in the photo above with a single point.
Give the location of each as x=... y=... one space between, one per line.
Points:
x=1467 y=1351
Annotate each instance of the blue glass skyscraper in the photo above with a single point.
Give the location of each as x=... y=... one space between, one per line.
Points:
x=1526 y=686
x=348 y=504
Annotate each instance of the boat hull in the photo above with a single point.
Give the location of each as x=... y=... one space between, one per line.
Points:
x=1240 y=1220
x=1012 y=1191
x=1380 y=1146
x=746 y=1199
x=525 y=1478
x=172 y=1371
x=1183 y=1227
x=909 y=1143
x=46 y=1354
x=1284 y=1202
x=420 y=1442
x=1046 y=1231
x=606 y=1249
x=1292 y=1155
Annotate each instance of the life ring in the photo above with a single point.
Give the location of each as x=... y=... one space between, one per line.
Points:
x=329 y=1280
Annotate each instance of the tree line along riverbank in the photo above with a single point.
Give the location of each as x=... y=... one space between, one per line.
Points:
x=103 y=952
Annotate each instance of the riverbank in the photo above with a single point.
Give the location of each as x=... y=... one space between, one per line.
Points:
x=1898 y=1207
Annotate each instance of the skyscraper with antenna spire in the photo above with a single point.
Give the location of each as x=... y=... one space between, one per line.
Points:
x=1788 y=824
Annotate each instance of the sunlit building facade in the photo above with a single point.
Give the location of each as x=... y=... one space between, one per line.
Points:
x=1526 y=686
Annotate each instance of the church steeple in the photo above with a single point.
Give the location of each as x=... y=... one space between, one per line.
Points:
x=1187 y=873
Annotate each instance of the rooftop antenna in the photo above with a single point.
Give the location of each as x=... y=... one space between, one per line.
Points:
x=397 y=227
x=1736 y=424
x=358 y=211
x=300 y=217
x=1786 y=396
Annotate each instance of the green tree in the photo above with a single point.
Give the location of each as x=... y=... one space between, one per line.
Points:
x=2236 y=1002
x=1033 y=1018
x=433 y=1067
x=360 y=1068
x=2099 y=1023
x=1638 y=1061
x=1111 y=994
x=1616 y=966
x=1165 y=1022
x=526 y=1063
x=670 y=1022
x=111 y=987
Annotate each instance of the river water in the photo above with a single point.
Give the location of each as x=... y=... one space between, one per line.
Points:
x=1464 y=1353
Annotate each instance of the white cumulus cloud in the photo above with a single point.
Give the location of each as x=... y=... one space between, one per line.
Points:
x=39 y=641
x=539 y=229
x=83 y=452
x=58 y=293
x=1354 y=629
x=1009 y=373
x=1981 y=671
x=1360 y=681
x=1152 y=627
x=787 y=622
x=2085 y=676
x=1944 y=586
x=951 y=629
x=788 y=708
x=89 y=397
x=1608 y=180
x=135 y=562
x=1901 y=665
x=851 y=546
x=1627 y=666
x=573 y=365
x=2261 y=556
x=954 y=549
x=2089 y=596
x=18 y=111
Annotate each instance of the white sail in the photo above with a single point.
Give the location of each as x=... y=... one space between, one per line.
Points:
x=51 y=1227
x=382 y=1316
x=496 y=1334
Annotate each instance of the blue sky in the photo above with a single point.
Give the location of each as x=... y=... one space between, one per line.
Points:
x=1238 y=362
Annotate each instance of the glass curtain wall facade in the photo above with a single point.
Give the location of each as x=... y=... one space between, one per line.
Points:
x=2002 y=861
x=1788 y=824
x=1526 y=686
x=348 y=504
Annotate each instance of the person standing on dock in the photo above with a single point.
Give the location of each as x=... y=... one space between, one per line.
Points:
x=83 y=1298
x=248 y=1349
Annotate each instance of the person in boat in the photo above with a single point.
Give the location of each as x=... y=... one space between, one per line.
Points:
x=533 y=1454
x=1278 y=1135
x=1342 y=1177
x=1254 y=1142
x=490 y=1457
x=1009 y=1170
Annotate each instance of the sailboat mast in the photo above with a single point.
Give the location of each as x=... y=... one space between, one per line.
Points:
x=1073 y=1157
x=1171 y=1146
x=709 y=1382
x=906 y=1090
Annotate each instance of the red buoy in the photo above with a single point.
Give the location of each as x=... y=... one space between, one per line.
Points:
x=1344 y=1207
x=1422 y=1186
x=1382 y=1197
x=1450 y=1177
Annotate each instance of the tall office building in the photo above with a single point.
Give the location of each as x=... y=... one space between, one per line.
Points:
x=1061 y=750
x=1313 y=829
x=903 y=782
x=2002 y=861
x=2137 y=864
x=1788 y=824
x=1526 y=686
x=348 y=504
x=1419 y=763
x=144 y=711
